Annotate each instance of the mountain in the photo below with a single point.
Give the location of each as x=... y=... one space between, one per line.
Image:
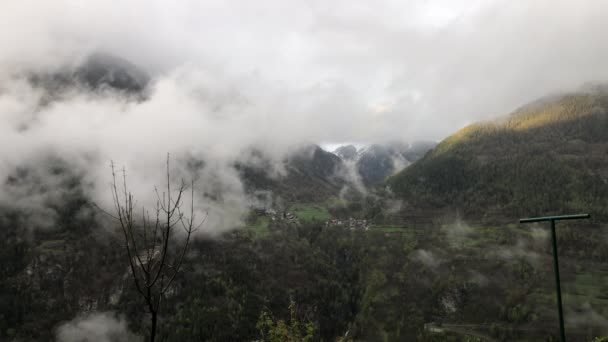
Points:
x=97 y=72
x=102 y=70
x=388 y=282
x=376 y=162
x=346 y=152
x=309 y=174
x=548 y=157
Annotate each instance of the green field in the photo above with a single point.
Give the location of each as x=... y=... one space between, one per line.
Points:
x=310 y=212
x=388 y=229
x=335 y=202
x=260 y=226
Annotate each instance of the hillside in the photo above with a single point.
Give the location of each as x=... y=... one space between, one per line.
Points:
x=374 y=163
x=547 y=157
x=310 y=175
x=395 y=281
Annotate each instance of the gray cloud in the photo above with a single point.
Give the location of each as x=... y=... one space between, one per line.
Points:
x=387 y=69
x=228 y=75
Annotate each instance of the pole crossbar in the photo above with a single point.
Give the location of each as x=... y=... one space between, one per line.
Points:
x=558 y=290
x=554 y=218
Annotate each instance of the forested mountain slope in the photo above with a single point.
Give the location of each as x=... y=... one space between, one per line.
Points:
x=548 y=157
x=308 y=174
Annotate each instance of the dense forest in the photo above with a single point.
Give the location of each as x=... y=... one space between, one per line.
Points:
x=308 y=281
x=547 y=157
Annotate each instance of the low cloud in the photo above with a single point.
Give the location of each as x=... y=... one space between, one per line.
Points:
x=521 y=250
x=457 y=233
x=427 y=258
x=96 y=327
x=350 y=173
x=393 y=206
x=587 y=316
x=478 y=278
x=226 y=77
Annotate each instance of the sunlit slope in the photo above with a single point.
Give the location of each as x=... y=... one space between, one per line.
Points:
x=550 y=156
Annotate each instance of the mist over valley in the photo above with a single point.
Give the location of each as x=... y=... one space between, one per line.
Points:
x=302 y=171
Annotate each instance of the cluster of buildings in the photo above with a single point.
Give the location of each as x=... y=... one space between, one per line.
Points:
x=286 y=216
x=350 y=223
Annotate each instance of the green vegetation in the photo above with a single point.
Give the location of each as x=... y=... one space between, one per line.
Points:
x=383 y=284
x=272 y=330
x=310 y=212
x=260 y=226
x=388 y=229
x=546 y=158
x=335 y=201
x=420 y=273
x=310 y=176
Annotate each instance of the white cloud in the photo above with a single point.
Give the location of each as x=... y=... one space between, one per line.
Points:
x=97 y=327
x=231 y=74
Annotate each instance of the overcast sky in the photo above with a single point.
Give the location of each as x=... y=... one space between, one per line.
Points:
x=386 y=69
x=227 y=75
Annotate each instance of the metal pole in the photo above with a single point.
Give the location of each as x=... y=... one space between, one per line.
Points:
x=555 y=261
x=557 y=284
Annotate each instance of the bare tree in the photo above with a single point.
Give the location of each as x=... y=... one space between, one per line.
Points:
x=154 y=257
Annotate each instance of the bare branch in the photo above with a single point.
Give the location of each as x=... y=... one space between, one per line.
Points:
x=98 y=207
x=153 y=275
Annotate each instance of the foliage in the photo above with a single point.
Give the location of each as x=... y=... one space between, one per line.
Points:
x=260 y=225
x=294 y=330
x=545 y=158
x=384 y=284
x=366 y=286
x=310 y=212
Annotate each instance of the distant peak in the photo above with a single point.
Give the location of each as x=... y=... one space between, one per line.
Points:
x=348 y=152
x=98 y=71
x=105 y=70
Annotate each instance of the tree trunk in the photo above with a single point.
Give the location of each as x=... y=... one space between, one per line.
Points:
x=153 y=327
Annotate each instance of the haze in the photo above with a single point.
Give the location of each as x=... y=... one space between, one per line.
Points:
x=387 y=69
x=230 y=75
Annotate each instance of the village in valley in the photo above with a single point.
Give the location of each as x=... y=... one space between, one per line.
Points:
x=350 y=223
x=286 y=216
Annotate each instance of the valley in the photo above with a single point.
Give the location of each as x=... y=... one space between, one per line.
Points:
x=389 y=241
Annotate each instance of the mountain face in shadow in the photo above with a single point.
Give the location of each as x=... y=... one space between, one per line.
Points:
x=309 y=174
x=106 y=71
x=97 y=72
x=375 y=163
x=346 y=152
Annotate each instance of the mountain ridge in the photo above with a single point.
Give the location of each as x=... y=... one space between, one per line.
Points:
x=375 y=162
x=546 y=158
